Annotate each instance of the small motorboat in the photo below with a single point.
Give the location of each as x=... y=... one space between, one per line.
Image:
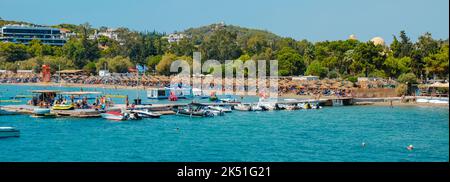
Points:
x=197 y=110
x=256 y=108
x=41 y=111
x=266 y=106
x=114 y=115
x=120 y=116
x=219 y=108
x=146 y=114
x=286 y=107
x=63 y=107
x=229 y=100
x=242 y=107
x=9 y=132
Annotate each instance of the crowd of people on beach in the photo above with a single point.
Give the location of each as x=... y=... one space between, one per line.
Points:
x=286 y=85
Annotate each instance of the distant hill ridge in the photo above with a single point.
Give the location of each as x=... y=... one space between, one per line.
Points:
x=199 y=32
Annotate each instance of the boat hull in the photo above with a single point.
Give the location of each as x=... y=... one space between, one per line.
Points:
x=146 y=114
x=41 y=111
x=6 y=132
x=195 y=113
x=5 y=112
x=114 y=117
x=63 y=107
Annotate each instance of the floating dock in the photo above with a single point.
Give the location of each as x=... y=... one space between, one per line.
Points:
x=168 y=109
x=78 y=113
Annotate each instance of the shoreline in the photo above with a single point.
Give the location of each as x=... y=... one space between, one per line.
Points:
x=395 y=103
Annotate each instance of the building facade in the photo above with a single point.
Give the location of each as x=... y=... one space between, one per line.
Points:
x=24 y=34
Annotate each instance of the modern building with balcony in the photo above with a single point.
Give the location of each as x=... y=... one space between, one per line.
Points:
x=24 y=34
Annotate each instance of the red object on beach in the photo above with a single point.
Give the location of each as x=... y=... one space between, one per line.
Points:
x=173 y=97
x=46 y=73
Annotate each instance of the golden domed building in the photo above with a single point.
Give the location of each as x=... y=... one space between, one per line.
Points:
x=378 y=41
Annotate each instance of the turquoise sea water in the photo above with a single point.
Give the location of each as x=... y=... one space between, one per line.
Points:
x=330 y=134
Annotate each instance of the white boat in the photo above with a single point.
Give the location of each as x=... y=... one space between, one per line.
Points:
x=41 y=111
x=256 y=108
x=146 y=114
x=113 y=115
x=242 y=107
x=197 y=110
x=219 y=108
x=266 y=106
x=287 y=107
x=6 y=112
x=9 y=132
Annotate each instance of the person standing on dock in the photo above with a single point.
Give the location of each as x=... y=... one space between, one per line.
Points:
x=127 y=102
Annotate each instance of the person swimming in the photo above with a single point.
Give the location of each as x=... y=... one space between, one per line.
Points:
x=410 y=147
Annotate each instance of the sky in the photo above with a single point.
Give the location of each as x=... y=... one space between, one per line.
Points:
x=314 y=20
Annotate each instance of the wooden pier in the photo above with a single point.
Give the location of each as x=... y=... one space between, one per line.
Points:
x=78 y=113
x=168 y=109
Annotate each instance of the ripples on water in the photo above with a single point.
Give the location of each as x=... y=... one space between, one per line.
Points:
x=330 y=134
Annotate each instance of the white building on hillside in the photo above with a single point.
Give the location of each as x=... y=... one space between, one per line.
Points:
x=110 y=33
x=175 y=37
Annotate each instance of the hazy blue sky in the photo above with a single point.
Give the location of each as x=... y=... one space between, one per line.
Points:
x=315 y=20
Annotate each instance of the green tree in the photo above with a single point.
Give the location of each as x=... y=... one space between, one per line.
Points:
x=36 y=48
x=55 y=63
x=184 y=47
x=437 y=64
x=406 y=46
x=13 y=52
x=221 y=45
x=409 y=78
x=90 y=68
x=316 y=69
x=117 y=64
x=395 y=47
x=396 y=66
x=163 y=66
x=367 y=58
x=290 y=62
x=152 y=61
x=75 y=51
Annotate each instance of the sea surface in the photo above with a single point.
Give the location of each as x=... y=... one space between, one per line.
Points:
x=329 y=134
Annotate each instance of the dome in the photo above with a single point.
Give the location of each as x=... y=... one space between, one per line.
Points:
x=378 y=41
x=352 y=37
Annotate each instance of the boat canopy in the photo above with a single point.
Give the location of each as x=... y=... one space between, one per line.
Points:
x=79 y=93
x=45 y=91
